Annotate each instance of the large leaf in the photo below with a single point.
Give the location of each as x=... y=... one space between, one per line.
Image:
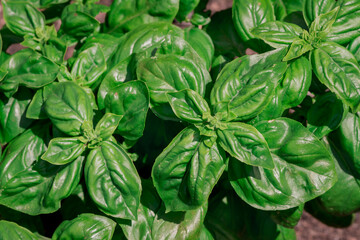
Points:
x=354 y=48
x=127 y=15
x=89 y=66
x=67 y=106
x=278 y=34
x=344 y=197
x=245 y=86
x=155 y=224
x=86 y=226
x=10 y=231
x=186 y=171
x=246 y=144
x=12 y=115
x=79 y=24
x=326 y=114
x=170 y=73
x=304 y=169
x=131 y=100
x=27 y=68
x=250 y=14
x=314 y=8
x=338 y=69
x=112 y=181
x=30 y=185
x=22 y=18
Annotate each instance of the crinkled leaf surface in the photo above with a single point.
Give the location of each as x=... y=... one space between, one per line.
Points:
x=112 y=181
x=186 y=171
x=304 y=169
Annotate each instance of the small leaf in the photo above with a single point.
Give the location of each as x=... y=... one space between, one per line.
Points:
x=322 y=24
x=297 y=49
x=246 y=144
x=188 y=105
x=86 y=226
x=107 y=125
x=63 y=150
x=36 y=106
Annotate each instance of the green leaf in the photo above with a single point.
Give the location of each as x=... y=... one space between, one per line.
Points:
x=326 y=114
x=10 y=231
x=155 y=224
x=112 y=181
x=186 y=171
x=354 y=48
x=338 y=69
x=89 y=66
x=322 y=24
x=202 y=44
x=29 y=184
x=250 y=14
x=108 y=43
x=246 y=85
x=55 y=50
x=79 y=24
x=86 y=226
x=12 y=115
x=170 y=73
x=35 y=109
x=125 y=16
x=314 y=8
x=278 y=34
x=22 y=18
x=297 y=49
x=303 y=169
x=288 y=218
x=107 y=125
x=28 y=68
x=131 y=100
x=63 y=150
x=188 y=105
x=185 y=7
x=67 y=106
x=246 y=144
x=344 y=197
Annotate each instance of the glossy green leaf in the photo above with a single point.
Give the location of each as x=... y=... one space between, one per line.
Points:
x=288 y=218
x=22 y=18
x=127 y=15
x=30 y=185
x=89 y=66
x=35 y=109
x=297 y=49
x=313 y=9
x=304 y=169
x=143 y=38
x=354 y=48
x=170 y=73
x=131 y=100
x=188 y=105
x=326 y=114
x=250 y=14
x=189 y=163
x=338 y=69
x=344 y=197
x=202 y=44
x=112 y=181
x=63 y=150
x=322 y=24
x=28 y=68
x=107 y=125
x=108 y=43
x=246 y=85
x=72 y=107
x=79 y=24
x=11 y=231
x=224 y=36
x=12 y=115
x=185 y=7
x=86 y=226
x=246 y=144
x=154 y=223
x=278 y=34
